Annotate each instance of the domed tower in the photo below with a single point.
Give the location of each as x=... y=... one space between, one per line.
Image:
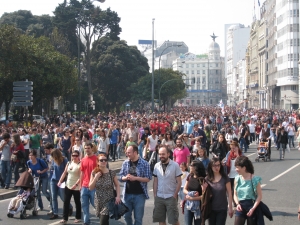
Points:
x=214 y=49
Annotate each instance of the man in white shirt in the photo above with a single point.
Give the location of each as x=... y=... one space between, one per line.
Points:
x=25 y=138
x=252 y=131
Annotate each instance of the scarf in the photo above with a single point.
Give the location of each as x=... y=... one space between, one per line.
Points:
x=232 y=156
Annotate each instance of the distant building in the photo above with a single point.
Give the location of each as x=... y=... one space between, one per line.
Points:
x=168 y=51
x=204 y=76
x=237 y=39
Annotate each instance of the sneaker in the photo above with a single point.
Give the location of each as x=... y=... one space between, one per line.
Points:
x=6 y=187
x=39 y=209
x=50 y=213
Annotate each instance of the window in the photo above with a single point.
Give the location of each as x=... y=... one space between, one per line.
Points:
x=186 y=65
x=198 y=65
x=198 y=102
x=192 y=71
x=217 y=64
x=203 y=71
x=216 y=71
x=198 y=80
x=187 y=72
x=192 y=65
x=203 y=64
x=198 y=71
x=294 y=87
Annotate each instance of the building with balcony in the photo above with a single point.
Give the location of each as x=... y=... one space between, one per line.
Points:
x=204 y=76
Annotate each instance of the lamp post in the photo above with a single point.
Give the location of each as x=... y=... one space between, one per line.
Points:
x=78 y=57
x=166 y=83
x=152 y=91
x=178 y=45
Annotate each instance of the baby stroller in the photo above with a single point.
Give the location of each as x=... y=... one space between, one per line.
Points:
x=27 y=183
x=262 y=151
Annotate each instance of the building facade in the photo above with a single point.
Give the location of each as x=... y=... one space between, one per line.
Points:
x=237 y=39
x=204 y=76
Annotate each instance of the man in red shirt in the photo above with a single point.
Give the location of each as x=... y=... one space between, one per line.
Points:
x=163 y=126
x=88 y=164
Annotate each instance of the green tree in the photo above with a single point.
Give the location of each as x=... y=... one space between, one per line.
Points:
x=25 y=57
x=173 y=89
x=94 y=24
x=116 y=67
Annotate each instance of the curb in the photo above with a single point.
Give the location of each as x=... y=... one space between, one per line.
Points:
x=13 y=193
x=8 y=194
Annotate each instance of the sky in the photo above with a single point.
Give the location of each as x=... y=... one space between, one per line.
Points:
x=190 y=21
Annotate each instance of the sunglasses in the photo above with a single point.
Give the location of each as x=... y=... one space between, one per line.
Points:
x=102 y=160
x=75 y=155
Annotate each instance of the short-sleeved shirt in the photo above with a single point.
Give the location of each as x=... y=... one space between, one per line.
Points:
x=194 y=184
x=181 y=155
x=35 y=141
x=219 y=193
x=88 y=164
x=114 y=136
x=166 y=178
x=40 y=165
x=244 y=188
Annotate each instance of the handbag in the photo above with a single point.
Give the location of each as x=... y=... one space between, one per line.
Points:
x=116 y=211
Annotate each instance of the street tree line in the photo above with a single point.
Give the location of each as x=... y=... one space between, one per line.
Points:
x=44 y=49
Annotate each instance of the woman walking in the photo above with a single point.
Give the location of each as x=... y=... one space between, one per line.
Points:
x=221 y=188
x=38 y=168
x=58 y=167
x=247 y=192
x=193 y=192
x=72 y=187
x=282 y=141
x=103 y=142
x=105 y=181
x=65 y=143
x=18 y=151
x=220 y=147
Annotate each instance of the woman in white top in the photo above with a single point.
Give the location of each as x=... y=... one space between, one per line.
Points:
x=168 y=141
x=291 y=134
x=229 y=136
x=103 y=142
x=185 y=173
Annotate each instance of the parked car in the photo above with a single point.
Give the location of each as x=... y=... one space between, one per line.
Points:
x=38 y=119
x=3 y=119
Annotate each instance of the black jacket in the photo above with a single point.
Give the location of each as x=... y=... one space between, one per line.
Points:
x=220 y=149
x=261 y=211
x=282 y=138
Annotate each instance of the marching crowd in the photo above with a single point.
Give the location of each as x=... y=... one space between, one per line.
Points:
x=71 y=159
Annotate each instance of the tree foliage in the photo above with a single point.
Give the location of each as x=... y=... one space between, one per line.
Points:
x=25 y=57
x=116 y=67
x=171 y=83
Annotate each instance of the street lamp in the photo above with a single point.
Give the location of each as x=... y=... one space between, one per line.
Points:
x=78 y=46
x=163 y=85
x=152 y=91
x=178 y=45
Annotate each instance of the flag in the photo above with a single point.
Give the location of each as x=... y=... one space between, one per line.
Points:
x=258 y=2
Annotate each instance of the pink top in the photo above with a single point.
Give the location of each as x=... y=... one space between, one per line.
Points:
x=180 y=155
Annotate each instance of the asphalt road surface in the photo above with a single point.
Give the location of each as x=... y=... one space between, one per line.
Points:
x=280 y=181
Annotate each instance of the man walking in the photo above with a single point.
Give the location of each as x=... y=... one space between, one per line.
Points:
x=5 y=160
x=166 y=185
x=88 y=163
x=136 y=174
x=181 y=153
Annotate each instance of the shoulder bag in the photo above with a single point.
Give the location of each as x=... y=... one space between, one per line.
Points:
x=116 y=211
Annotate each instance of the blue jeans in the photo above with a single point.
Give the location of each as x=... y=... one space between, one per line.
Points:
x=189 y=218
x=291 y=141
x=6 y=172
x=87 y=197
x=243 y=143
x=135 y=203
x=219 y=126
x=44 y=183
x=141 y=146
x=55 y=191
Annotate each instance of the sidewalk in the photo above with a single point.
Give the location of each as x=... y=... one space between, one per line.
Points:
x=9 y=193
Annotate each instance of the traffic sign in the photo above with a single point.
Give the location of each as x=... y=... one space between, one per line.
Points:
x=26 y=98
x=75 y=107
x=23 y=104
x=30 y=88
x=23 y=83
x=22 y=94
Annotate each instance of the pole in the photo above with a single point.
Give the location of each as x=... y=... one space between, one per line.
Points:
x=79 y=79
x=152 y=95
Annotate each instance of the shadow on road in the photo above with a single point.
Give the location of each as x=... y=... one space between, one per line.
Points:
x=279 y=213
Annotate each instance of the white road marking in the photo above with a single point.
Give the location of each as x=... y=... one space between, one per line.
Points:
x=251 y=154
x=288 y=170
x=151 y=190
x=263 y=185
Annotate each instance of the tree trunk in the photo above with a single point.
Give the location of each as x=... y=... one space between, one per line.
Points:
x=7 y=108
x=88 y=66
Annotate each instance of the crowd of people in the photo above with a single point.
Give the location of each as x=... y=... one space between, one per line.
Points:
x=195 y=157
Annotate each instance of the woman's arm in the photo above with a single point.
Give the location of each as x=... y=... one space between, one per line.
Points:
x=93 y=180
x=63 y=175
x=117 y=186
x=236 y=200
x=229 y=194
x=257 y=201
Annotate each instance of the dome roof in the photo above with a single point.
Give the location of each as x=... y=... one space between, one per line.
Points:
x=214 y=46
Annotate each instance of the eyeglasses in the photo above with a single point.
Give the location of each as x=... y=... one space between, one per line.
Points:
x=217 y=165
x=75 y=155
x=102 y=160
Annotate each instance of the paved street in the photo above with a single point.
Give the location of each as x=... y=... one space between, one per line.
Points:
x=280 y=180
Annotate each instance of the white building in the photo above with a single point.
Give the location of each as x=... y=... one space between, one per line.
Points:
x=237 y=39
x=203 y=75
x=287 y=52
